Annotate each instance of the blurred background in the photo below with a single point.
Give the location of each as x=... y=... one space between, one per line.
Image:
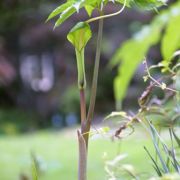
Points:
x=38 y=84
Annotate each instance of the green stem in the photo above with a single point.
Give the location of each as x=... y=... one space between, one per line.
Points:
x=86 y=123
x=82 y=169
x=86 y=129
x=107 y=15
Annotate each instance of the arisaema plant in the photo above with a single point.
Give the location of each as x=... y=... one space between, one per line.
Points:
x=79 y=36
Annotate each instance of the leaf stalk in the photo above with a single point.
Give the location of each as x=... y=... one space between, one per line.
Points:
x=107 y=15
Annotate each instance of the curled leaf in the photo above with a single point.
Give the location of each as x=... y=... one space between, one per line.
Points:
x=80 y=35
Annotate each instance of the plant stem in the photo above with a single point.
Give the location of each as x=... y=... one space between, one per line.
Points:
x=82 y=167
x=83 y=137
x=107 y=15
x=94 y=84
x=82 y=106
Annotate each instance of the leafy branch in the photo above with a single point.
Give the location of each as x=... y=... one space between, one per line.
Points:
x=74 y=6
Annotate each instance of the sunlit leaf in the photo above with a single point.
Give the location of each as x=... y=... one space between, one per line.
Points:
x=70 y=7
x=66 y=14
x=66 y=10
x=171 y=39
x=149 y=4
x=89 y=9
x=132 y=52
x=130 y=55
x=143 y=4
x=59 y=10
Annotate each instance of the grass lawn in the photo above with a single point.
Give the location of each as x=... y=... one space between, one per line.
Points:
x=58 y=153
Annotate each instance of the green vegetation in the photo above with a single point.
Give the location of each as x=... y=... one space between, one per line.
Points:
x=14 y=121
x=79 y=35
x=57 y=154
x=164 y=30
x=152 y=150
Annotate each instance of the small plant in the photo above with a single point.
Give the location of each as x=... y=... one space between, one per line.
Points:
x=36 y=170
x=79 y=36
x=156 y=114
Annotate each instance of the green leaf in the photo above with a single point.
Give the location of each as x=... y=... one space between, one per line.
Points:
x=59 y=10
x=34 y=167
x=143 y=4
x=71 y=6
x=130 y=55
x=128 y=2
x=156 y=166
x=171 y=39
x=80 y=35
x=132 y=52
x=66 y=14
x=177 y=87
x=156 y=141
x=66 y=10
x=148 y=4
x=89 y=9
x=176 y=138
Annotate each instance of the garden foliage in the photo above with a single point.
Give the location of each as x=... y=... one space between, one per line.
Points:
x=163 y=29
x=64 y=11
x=81 y=33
